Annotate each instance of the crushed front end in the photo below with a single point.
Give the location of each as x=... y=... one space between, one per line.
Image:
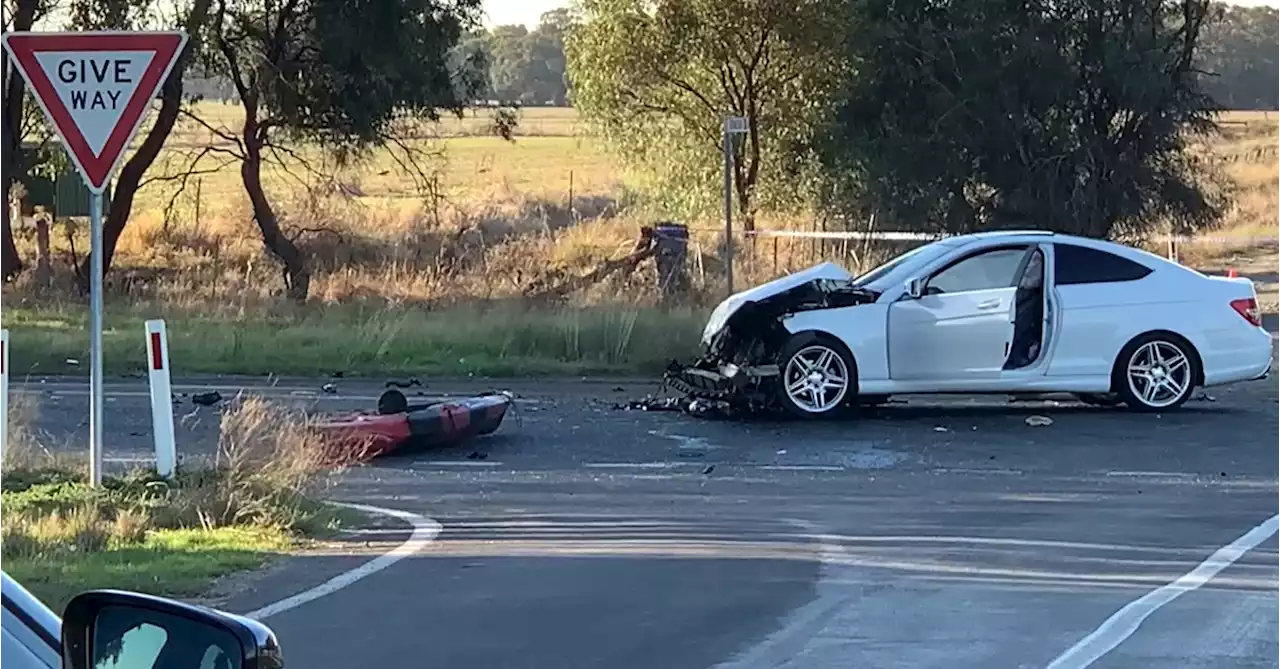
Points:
x=739 y=363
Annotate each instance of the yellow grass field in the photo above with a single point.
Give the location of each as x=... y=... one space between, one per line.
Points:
x=430 y=277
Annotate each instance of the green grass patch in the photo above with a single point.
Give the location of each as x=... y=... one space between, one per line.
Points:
x=323 y=339
x=168 y=563
x=166 y=536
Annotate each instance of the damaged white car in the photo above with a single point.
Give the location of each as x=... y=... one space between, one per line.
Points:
x=996 y=312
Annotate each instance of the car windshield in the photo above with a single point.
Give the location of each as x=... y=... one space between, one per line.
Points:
x=911 y=259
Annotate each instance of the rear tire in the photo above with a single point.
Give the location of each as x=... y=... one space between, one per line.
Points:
x=817 y=376
x=1155 y=372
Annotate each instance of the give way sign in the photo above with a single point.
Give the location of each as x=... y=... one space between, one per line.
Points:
x=95 y=88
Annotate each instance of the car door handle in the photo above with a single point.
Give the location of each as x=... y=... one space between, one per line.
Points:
x=989 y=304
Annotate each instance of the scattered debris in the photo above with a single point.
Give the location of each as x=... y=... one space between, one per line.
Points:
x=1039 y=421
x=782 y=451
x=1204 y=396
x=72 y=361
x=329 y=388
x=477 y=455
x=939 y=428
x=619 y=389
x=206 y=399
x=651 y=403
x=709 y=469
x=694 y=406
x=410 y=383
x=338 y=374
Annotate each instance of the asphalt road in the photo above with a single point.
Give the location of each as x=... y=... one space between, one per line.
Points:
x=940 y=533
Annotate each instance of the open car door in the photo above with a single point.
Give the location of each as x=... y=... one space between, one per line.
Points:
x=961 y=327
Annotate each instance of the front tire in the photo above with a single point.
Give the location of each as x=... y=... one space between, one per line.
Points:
x=1155 y=372
x=818 y=376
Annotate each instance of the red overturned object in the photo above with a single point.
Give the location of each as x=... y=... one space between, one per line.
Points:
x=399 y=426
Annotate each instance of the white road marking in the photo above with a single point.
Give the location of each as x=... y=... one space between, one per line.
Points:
x=463 y=463
x=639 y=465
x=686 y=442
x=1166 y=475
x=1123 y=623
x=963 y=470
x=801 y=468
x=425 y=531
x=269 y=393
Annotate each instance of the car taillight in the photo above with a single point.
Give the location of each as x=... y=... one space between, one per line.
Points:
x=1248 y=309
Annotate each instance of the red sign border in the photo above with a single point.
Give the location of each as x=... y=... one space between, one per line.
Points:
x=96 y=170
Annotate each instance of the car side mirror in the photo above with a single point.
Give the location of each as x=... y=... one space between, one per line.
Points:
x=128 y=630
x=915 y=287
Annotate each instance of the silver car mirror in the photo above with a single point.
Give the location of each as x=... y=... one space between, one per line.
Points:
x=915 y=288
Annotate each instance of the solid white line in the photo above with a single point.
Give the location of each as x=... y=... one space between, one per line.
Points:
x=802 y=468
x=1173 y=475
x=977 y=470
x=1123 y=623
x=425 y=531
x=638 y=465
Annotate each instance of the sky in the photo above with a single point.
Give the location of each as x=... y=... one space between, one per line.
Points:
x=505 y=12
x=502 y=12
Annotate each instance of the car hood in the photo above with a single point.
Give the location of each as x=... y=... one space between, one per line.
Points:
x=723 y=311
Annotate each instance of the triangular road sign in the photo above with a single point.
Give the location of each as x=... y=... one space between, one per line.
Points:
x=95 y=88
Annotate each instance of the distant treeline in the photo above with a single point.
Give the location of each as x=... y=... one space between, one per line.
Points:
x=527 y=67
x=519 y=66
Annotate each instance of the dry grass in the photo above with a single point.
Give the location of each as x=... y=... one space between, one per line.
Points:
x=167 y=537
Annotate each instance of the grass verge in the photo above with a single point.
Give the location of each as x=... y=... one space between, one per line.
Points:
x=324 y=340
x=168 y=537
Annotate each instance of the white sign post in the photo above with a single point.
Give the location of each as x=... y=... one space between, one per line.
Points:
x=95 y=88
x=733 y=125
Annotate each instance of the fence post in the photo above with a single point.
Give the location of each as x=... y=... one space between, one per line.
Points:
x=161 y=398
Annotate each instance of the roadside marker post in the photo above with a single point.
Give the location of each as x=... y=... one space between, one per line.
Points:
x=161 y=398
x=733 y=125
x=4 y=391
x=94 y=88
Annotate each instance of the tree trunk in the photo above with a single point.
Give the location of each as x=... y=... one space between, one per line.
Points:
x=15 y=93
x=297 y=276
x=130 y=176
x=11 y=263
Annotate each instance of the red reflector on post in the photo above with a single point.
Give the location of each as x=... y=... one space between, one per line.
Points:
x=157 y=354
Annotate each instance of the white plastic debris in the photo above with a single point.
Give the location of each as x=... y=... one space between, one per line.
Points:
x=1039 y=421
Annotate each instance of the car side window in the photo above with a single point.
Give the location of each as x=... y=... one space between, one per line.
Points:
x=991 y=269
x=1075 y=265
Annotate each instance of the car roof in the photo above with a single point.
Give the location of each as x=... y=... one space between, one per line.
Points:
x=1135 y=254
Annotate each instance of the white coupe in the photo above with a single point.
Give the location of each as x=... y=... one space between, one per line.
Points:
x=994 y=312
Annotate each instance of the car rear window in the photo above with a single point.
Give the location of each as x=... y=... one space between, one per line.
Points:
x=1075 y=265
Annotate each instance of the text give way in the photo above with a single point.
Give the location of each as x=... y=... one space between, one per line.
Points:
x=95 y=86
